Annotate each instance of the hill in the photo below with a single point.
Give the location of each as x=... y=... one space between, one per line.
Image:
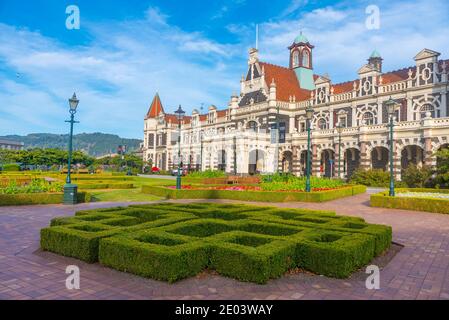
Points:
x=94 y=144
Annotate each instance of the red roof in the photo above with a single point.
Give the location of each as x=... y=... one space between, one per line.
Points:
x=287 y=83
x=155 y=108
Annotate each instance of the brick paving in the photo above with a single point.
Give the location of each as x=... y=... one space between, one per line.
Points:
x=419 y=271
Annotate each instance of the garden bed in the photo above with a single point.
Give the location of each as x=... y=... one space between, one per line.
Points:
x=430 y=200
x=250 y=243
x=250 y=193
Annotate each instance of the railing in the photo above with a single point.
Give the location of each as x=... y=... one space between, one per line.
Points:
x=342 y=96
x=392 y=87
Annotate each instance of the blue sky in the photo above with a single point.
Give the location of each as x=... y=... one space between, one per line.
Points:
x=191 y=52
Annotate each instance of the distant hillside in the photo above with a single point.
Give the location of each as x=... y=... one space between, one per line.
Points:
x=94 y=144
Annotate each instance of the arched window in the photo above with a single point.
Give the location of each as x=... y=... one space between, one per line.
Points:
x=305 y=59
x=427 y=108
x=322 y=124
x=252 y=126
x=368 y=118
x=295 y=58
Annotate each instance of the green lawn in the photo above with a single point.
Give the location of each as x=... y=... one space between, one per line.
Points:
x=129 y=195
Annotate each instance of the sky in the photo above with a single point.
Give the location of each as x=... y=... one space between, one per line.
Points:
x=192 y=52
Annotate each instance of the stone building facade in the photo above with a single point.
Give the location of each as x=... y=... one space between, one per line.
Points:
x=242 y=138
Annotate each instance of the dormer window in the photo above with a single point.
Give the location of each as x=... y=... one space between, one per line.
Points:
x=211 y=117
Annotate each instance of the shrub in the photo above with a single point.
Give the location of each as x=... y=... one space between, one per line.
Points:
x=427 y=203
x=286 y=182
x=10 y=167
x=371 y=178
x=416 y=177
x=173 y=241
x=207 y=174
x=35 y=186
x=38 y=198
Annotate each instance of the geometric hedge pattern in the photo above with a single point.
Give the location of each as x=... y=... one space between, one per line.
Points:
x=170 y=242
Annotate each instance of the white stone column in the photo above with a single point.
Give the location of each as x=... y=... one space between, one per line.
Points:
x=443 y=106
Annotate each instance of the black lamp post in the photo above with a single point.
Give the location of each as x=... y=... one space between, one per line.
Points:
x=391 y=108
x=180 y=113
x=340 y=128
x=71 y=190
x=309 y=116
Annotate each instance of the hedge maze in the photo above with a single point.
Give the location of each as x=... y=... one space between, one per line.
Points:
x=250 y=243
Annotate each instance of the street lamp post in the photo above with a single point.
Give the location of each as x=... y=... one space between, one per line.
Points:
x=339 y=130
x=391 y=108
x=309 y=116
x=180 y=113
x=71 y=190
x=277 y=139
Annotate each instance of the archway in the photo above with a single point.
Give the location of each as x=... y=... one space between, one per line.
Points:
x=412 y=154
x=303 y=161
x=379 y=158
x=351 y=161
x=327 y=165
x=222 y=160
x=287 y=162
x=256 y=162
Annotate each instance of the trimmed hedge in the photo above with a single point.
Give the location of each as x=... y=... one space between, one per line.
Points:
x=103 y=185
x=263 y=196
x=170 y=242
x=429 y=204
x=38 y=198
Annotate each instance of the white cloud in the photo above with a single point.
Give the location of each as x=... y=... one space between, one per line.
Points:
x=342 y=42
x=115 y=77
x=294 y=6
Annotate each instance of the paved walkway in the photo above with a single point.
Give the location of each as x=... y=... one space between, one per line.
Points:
x=419 y=271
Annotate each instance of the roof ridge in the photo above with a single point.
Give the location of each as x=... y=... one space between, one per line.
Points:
x=275 y=65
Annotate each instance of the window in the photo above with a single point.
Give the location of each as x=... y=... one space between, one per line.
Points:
x=322 y=124
x=305 y=58
x=368 y=118
x=211 y=117
x=342 y=121
x=427 y=108
x=295 y=58
x=302 y=127
x=252 y=126
x=282 y=132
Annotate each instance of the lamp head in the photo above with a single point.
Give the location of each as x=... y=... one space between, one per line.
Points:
x=309 y=113
x=339 y=127
x=391 y=106
x=73 y=103
x=180 y=113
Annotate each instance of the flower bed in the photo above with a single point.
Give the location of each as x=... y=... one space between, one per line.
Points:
x=249 y=243
x=214 y=192
x=430 y=200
